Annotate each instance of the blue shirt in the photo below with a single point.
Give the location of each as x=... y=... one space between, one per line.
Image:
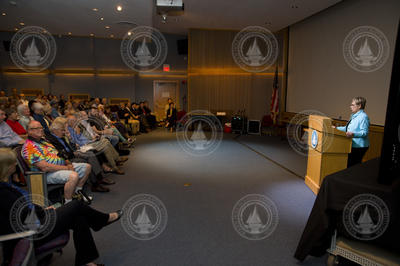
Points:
x=79 y=139
x=359 y=125
x=7 y=136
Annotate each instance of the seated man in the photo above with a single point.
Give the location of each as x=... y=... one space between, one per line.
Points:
x=76 y=135
x=8 y=138
x=95 y=126
x=138 y=114
x=12 y=121
x=41 y=155
x=68 y=152
x=100 y=126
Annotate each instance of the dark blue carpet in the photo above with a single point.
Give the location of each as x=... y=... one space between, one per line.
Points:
x=199 y=229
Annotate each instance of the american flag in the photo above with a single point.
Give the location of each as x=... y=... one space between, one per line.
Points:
x=275 y=97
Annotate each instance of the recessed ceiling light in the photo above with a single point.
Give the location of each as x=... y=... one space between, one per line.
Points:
x=91 y=34
x=69 y=33
x=119 y=8
x=107 y=27
x=3 y=14
x=21 y=23
x=112 y=35
x=95 y=9
x=101 y=18
x=129 y=33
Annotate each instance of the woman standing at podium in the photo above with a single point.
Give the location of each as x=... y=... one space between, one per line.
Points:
x=357 y=128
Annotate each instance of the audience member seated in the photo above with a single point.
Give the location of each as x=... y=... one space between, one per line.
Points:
x=138 y=115
x=119 y=131
x=77 y=136
x=68 y=152
x=151 y=119
x=54 y=110
x=100 y=126
x=42 y=156
x=74 y=216
x=24 y=115
x=12 y=121
x=38 y=115
x=8 y=138
x=111 y=121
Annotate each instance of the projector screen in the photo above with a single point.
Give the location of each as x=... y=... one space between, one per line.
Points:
x=319 y=77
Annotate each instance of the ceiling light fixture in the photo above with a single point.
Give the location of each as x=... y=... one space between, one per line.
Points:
x=15 y=29
x=3 y=14
x=112 y=35
x=119 y=8
x=21 y=23
x=129 y=33
x=107 y=27
x=91 y=34
x=69 y=33
x=101 y=18
x=95 y=9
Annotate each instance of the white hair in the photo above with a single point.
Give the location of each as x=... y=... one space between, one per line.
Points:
x=20 y=108
x=37 y=106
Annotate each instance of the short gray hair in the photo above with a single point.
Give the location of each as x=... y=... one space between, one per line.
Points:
x=360 y=101
x=20 y=108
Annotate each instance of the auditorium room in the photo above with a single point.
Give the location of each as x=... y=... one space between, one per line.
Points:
x=184 y=132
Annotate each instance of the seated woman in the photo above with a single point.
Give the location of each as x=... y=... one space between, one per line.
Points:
x=74 y=216
x=12 y=121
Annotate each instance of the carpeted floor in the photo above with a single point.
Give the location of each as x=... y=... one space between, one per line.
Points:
x=199 y=229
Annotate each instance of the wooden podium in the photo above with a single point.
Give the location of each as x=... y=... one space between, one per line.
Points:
x=328 y=150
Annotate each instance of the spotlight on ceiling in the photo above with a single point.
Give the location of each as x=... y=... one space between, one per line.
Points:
x=119 y=8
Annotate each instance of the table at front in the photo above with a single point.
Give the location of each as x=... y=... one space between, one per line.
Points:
x=336 y=190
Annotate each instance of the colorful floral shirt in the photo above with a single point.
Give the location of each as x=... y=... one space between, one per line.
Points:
x=34 y=152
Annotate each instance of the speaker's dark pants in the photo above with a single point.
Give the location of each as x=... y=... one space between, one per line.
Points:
x=356 y=155
x=80 y=218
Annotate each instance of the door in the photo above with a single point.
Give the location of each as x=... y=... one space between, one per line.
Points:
x=164 y=89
